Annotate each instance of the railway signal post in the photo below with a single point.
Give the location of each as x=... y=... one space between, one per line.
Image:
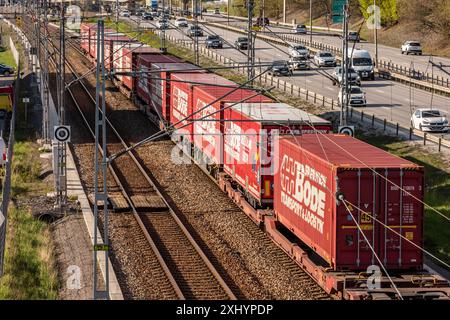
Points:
x=100 y=197
x=60 y=147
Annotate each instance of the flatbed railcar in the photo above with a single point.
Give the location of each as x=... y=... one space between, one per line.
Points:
x=344 y=280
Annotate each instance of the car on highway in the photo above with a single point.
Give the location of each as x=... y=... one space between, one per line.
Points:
x=412 y=47
x=362 y=62
x=241 y=43
x=213 y=41
x=162 y=24
x=298 y=51
x=353 y=77
x=181 y=23
x=299 y=29
x=155 y=14
x=261 y=22
x=356 y=96
x=216 y=11
x=125 y=13
x=299 y=63
x=280 y=68
x=147 y=16
x=429 y=120
x=6 y=70
x=325 y=59
x=195 y=31
x=353 y=36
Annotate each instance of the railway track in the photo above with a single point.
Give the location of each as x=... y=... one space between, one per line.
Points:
x=187 y=268
x=249 y=262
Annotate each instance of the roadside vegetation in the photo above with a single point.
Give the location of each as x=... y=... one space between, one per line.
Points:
x=29 y=270
x=6 y=57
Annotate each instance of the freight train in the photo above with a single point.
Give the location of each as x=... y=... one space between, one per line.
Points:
x=338 y=206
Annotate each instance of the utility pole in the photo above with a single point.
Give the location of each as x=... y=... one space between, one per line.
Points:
x=117 y=13
x=196 y=44
x=100 y=197
x=251 y=44
x=344 y=83
x=310 y=23
x=45 y=80
x=284 y=11
x=377 y=21
x=228 y=12
x=264 y=13
x=163 y=48
x=61 y=177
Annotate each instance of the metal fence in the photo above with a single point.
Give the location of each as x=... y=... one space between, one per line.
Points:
x=298 y=92
x=427 y=81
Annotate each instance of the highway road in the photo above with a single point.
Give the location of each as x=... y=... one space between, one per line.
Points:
x=386 y=99
x=420 y=63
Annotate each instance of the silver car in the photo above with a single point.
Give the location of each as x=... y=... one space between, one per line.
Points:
x=325 y=59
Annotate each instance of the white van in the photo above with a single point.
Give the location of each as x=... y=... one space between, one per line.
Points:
x=362 y=62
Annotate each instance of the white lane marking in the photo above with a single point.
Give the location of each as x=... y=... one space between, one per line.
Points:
x=379 y=91
x=329 y=88
x=307 y=80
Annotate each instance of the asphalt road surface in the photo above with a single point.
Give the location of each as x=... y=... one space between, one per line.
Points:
x=386 y=99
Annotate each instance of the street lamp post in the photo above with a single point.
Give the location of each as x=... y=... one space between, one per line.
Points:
x=310 y=22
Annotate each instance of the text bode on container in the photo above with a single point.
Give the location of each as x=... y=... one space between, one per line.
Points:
x=313 y=170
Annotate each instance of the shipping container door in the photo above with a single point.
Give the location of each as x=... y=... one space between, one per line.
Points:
x=354 y=244
x=402 y=213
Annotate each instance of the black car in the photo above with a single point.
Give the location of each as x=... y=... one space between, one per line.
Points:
x=353 y=36
x=147 y=16
x=241 y=43
x=261 y=22
x=6 y=70
x=280 y=68
x=213 y=41
x=195 y=31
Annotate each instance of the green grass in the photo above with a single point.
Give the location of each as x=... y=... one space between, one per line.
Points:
x=29 y=262
x=7 y=58
x=437 y=190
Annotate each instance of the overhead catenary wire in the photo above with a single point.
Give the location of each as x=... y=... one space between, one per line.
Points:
x=435 y=210
x=373 y=250
x=162 y=132
x=398 y=234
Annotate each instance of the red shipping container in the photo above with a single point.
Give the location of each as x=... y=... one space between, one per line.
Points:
x=315 y=169
x=181 y=100
x=248 y=133
x=127 y=55
x=208 y=133
x=114 y=40
x=85 y=35
x=154 y=89
x=93 y=40
x=141 y=61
